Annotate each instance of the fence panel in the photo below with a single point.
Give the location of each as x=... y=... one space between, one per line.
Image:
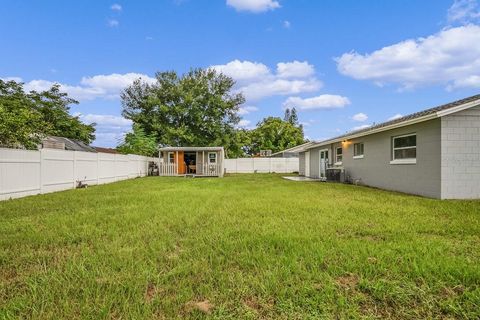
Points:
x=20 y=172
x=24 y=172
x=261 y=165
x=57 y=170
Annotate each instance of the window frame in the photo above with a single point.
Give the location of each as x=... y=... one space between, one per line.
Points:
x=359 y=156
x=214 y=153
x=336 y=155
x=404 y=160
x=173 y=158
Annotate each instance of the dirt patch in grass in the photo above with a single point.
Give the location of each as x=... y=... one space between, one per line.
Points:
x=447 y=292
x=259 y=305
x=348 y=281
x=204 y=306
x=150 y=292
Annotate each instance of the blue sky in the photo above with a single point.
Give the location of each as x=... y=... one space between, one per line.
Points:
x=344 y=64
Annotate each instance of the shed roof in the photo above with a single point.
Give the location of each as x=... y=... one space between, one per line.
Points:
x=416 y=117
x=191 y=149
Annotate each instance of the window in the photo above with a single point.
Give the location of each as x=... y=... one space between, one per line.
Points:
x=212 y=157
x=171 y=157
x=338 y=155
x=404 y=149
x=358 y=150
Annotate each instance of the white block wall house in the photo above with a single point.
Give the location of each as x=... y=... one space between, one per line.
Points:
x=433 y=153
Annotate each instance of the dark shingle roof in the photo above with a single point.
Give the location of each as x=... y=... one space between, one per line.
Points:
x=407 y=117
x=106 y=150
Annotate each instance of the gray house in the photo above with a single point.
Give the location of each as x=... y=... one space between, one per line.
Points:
x=433 y=153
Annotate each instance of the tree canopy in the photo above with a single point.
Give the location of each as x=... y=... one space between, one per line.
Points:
x=275 y=134
x=138 y=142
x=27 y=117
x=194 y=109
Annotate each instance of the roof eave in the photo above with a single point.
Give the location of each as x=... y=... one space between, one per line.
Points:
x=373 y=131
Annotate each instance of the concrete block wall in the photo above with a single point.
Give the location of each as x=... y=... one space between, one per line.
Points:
x=460 y=151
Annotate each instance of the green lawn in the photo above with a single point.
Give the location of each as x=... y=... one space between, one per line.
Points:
x=245 y=246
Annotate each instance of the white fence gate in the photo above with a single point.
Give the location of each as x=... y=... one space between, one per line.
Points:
x=24 y=172
x=261 y=165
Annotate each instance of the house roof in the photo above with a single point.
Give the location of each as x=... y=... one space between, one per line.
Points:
x=428 y=114
x=106 y=150
x=295 y=149
x=191 y=149
x=70 y=144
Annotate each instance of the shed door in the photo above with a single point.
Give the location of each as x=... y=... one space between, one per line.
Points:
x=181 y=163
x=307 y=164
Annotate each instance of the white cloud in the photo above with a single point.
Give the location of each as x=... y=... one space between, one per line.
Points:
x=469 y=82
x=246 y=110
x=243 y=70
x=116 y=7
x=113 y=23
x=360 y=117
x=254 y=6
x=16 y=79
x=287 y=24
x=395 y=117
x=110 y=129
x=464 y=11
x=363 y=126
x=256 y=81
x=279 y=87
x=324 y=101
x=106 y=120
x=295 y=69
x=108 y=139
x=90 y=88
x=243 y=123
x=75 y=92
x=114 y=81
x=450 y=57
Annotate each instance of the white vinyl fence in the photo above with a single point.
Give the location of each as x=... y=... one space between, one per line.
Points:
x=24 y=172
x=261 y=165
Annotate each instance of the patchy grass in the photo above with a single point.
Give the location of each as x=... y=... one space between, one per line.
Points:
x=245 y=246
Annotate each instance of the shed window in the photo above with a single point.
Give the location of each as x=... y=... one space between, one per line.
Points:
x=358 y=150
x=404 y=147
x=212 y=157
x=171 y=157
x=339 y=155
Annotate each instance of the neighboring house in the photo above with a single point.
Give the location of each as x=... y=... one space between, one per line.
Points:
x=106 y=150
x=52 y=142
x=195 y=161
x=433 y=153
x=291 y=152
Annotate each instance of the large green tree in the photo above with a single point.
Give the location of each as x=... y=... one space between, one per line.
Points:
x=25 y=118
x=275 y=134
x=194 y=109
x=21 y=124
